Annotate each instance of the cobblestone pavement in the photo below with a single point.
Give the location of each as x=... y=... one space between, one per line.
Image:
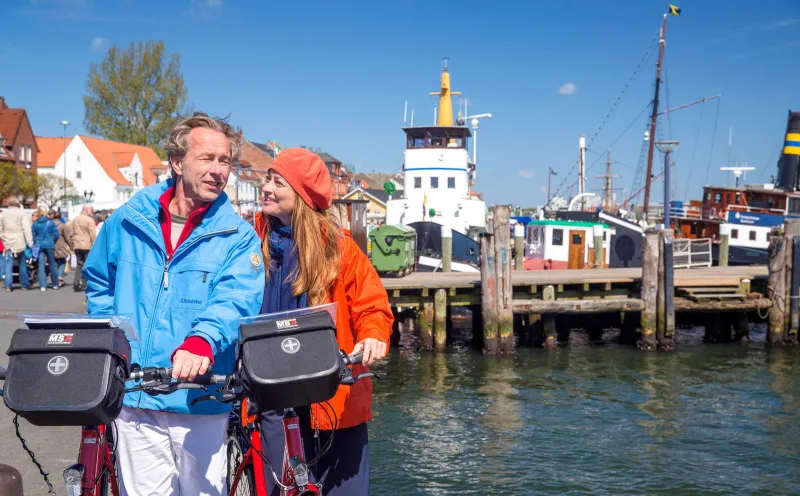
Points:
x=55 y=447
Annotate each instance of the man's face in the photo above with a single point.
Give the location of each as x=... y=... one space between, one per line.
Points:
x=205 y=168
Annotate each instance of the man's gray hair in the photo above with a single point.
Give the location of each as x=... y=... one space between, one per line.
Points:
x=14 y=202
x=178 y=140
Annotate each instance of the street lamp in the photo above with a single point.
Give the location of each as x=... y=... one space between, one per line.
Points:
x=65 y=124
x=666 y=147
x=87 y=195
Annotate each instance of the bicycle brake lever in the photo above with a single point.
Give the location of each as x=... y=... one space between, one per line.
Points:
x=207 y=397
x=190 y=385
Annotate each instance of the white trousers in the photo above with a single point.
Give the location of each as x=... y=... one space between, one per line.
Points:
x=171 y=454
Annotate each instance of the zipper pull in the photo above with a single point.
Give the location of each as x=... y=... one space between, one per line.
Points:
x=166 y=274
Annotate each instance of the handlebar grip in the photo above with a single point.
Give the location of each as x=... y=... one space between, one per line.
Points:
x=354 y=359
x=2 y=373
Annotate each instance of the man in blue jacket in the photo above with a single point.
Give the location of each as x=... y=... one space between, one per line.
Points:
x=179 y=260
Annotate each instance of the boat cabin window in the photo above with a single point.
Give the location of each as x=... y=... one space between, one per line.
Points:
x=794 y=205
x=434 y=182
x=734 y=234
x=451 y=182
x=417 y=182
x=718 y=198
x=436 y=138
x=558 y=237
x=752 y=235
x=708 y=196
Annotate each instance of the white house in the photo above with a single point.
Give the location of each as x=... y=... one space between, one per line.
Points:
x=105 y=173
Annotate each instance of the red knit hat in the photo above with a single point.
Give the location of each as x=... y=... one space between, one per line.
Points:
x=307 y=174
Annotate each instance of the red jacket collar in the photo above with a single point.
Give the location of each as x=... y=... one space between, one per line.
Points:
x=194 y=220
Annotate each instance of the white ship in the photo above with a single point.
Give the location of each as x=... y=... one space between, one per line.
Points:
x=439 y=177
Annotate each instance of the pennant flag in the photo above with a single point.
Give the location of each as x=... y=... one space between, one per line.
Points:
x=674 y=10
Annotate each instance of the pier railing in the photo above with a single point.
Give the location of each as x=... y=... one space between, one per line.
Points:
x=692 y=253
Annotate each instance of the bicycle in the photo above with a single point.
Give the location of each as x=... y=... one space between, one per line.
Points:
x=95 y=472
x=246 y=460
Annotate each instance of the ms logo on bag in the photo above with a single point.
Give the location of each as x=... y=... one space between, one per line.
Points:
x=286 y=324
x=60 y=339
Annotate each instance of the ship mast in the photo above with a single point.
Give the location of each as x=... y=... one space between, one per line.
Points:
x=445 y=115
x=654 y=117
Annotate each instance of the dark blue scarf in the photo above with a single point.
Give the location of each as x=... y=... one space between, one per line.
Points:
x=278 y=295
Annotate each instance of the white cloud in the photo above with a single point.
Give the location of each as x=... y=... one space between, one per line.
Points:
x=568 y=89
x=525 y=174
x=98 y=44
x=543 y=189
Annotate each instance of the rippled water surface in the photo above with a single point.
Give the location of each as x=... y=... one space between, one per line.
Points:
x=706 y=419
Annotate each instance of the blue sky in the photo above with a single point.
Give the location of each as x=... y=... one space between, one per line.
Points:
x=335 y=75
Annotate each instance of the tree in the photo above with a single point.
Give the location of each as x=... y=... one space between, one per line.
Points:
x=134 y=95
x=51 y=190
x=26 y=183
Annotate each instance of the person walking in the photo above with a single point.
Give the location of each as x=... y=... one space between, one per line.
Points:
x=63 y=249
x=84 y=233
x=15 y=231
x=312 y=262
x=45 y=234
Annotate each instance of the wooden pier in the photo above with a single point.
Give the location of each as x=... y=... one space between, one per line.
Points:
x=643 y=302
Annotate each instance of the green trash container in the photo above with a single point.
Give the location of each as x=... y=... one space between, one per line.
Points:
x=394 y=249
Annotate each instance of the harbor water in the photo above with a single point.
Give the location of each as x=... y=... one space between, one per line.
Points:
x=705 y=419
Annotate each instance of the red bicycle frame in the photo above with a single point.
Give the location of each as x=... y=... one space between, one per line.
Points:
x=294 y=451
x=95 y=456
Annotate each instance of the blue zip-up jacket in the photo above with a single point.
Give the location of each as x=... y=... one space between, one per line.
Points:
x=45 y=233
x=214 y=277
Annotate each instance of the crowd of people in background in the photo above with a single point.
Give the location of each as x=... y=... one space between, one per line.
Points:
x=45 y=244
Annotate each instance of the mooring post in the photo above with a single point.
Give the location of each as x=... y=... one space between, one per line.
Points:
x=792 y=227
x=447 y=248
x=649 y=291
x=723 y=250
x=668 y=282
x=549 y=320
x=502 y=254
x=440 y=320
x=776 y=290
x=488 y=292
x=10 y=481
x=426 y=326
x=598 y=247
x=519 y=246
x=661 y=295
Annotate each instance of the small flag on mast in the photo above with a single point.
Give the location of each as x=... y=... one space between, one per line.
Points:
x=674 y=10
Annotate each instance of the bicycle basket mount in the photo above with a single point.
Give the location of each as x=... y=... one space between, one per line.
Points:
x=67 y=376
x=290 y=362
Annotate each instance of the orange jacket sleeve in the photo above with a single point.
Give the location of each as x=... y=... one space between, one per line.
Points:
x=366 y=296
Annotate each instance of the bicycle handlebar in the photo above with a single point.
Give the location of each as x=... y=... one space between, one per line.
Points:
x=2 y=373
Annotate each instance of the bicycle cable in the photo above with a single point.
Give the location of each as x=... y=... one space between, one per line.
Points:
x=33 y=457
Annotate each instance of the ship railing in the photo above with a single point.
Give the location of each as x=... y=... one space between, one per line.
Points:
x=756 y=210
x=691 y=253
x=686 y=212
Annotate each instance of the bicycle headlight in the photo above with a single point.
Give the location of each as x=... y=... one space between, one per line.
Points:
x=73 y=476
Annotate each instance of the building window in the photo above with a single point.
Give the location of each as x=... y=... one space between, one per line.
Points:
x=28 y=154
x=752 y=235
x=451 y=182
x=434 y=182
x=77 y=174
x=417 y=182
x=734 y=234
x=21 y=156
x=558 y=237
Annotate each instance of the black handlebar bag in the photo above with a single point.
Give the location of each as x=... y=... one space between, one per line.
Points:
x=67 y=377
x=290 y=362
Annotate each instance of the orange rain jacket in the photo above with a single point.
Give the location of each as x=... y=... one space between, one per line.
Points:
x=362 y=312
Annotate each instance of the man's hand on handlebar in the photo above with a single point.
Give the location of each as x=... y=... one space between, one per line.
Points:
x=187 y=366
x=373 y=350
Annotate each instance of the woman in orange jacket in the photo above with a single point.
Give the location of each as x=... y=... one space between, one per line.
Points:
x=312 y=262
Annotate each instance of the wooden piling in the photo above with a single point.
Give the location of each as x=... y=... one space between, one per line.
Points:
x=598 y=247
x=776 y=290
x=447 y=248
x=549 y=320
x=440 y=320
x=668 y=283
x=489 y=293
x=792 y=231
x=426 y=326
x=519 y=247
x=741 y=328
x=505 y=309
x=649 y=292
x=723 y=250
x=661 y=293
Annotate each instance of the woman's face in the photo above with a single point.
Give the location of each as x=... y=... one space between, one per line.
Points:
x=279 y=198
